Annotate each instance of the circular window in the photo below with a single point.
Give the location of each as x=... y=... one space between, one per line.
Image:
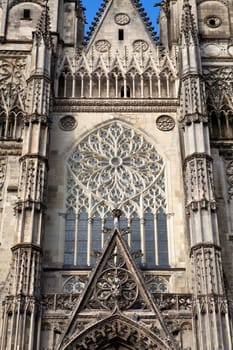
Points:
x=102 y=45
x=213 y=21
x=68 y=123
x=122 y=19
x=165 y=123
x=140 y=45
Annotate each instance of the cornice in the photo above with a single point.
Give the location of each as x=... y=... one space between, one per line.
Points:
x=115 y=105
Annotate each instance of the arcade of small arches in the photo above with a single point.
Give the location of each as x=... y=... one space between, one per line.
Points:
x=102 y=76
x=11 y=124
x=115 y=84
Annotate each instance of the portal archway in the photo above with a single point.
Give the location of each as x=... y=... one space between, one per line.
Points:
x=118 y=332
x=116 y=345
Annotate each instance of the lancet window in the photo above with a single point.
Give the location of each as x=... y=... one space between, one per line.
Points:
x=115 y=167
x=11 y=124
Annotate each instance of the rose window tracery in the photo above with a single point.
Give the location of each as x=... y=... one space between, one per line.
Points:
x=116 y=287
x=115 y=166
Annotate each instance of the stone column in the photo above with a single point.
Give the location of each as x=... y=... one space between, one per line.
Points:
x=210 y=309
x=23 y=301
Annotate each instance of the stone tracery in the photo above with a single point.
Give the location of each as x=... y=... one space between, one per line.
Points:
x=115 y=166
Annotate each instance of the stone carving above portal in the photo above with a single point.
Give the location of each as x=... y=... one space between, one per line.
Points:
x=137 y=337
x=165 y=123
x=122 y=19
x=116 y=287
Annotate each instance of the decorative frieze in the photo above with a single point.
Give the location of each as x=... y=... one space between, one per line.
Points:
x=115 y=105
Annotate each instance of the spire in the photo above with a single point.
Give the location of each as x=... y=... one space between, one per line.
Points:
x=43 y=26
x=188 y=26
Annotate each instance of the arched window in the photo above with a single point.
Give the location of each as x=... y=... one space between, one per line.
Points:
x=11 y=124
x=115 y=167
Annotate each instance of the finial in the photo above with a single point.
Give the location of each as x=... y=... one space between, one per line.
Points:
x=116 y=213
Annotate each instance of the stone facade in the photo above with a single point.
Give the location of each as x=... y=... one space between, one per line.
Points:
x=116 y=176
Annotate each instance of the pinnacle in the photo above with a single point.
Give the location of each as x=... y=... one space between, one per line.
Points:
x=43 y=26
x=188 y=25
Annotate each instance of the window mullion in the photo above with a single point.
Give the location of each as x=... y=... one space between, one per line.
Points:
x=89 y=222
x=156 y=240
x=142 y=234
x=76 y=239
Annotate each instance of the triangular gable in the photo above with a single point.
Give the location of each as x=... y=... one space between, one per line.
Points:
x=100 y=65
x=128 y=15
x=134 y=65
x=167 y=64
x=117 y=64
x=115 y=286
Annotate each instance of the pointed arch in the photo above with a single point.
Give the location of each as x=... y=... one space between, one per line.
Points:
x=116 y=329
x=115 y=165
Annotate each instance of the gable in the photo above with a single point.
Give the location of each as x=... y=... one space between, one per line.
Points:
x=122 y=28
x=115 y=288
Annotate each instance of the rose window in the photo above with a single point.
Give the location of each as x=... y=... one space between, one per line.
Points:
x=115 y=166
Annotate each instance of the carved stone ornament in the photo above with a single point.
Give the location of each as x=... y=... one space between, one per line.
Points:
x=122 y=19
x=68 y=123
x=116 y=286
x=3 y=163
x=156 y=284
x=229 y=172
x=136 y=336
x=213 y=21
x=140 y=45
x=102 y=45
x=165 y=123
x=116 y=164
x=75 y=284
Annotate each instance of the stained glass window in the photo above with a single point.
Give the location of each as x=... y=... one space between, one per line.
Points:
x=115 y=167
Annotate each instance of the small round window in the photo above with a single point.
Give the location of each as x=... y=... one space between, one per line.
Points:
x=213 y=21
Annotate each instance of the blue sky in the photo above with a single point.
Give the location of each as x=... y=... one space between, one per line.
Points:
x=92 y=7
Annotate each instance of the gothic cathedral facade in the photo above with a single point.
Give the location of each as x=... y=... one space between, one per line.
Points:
x=116 y=176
